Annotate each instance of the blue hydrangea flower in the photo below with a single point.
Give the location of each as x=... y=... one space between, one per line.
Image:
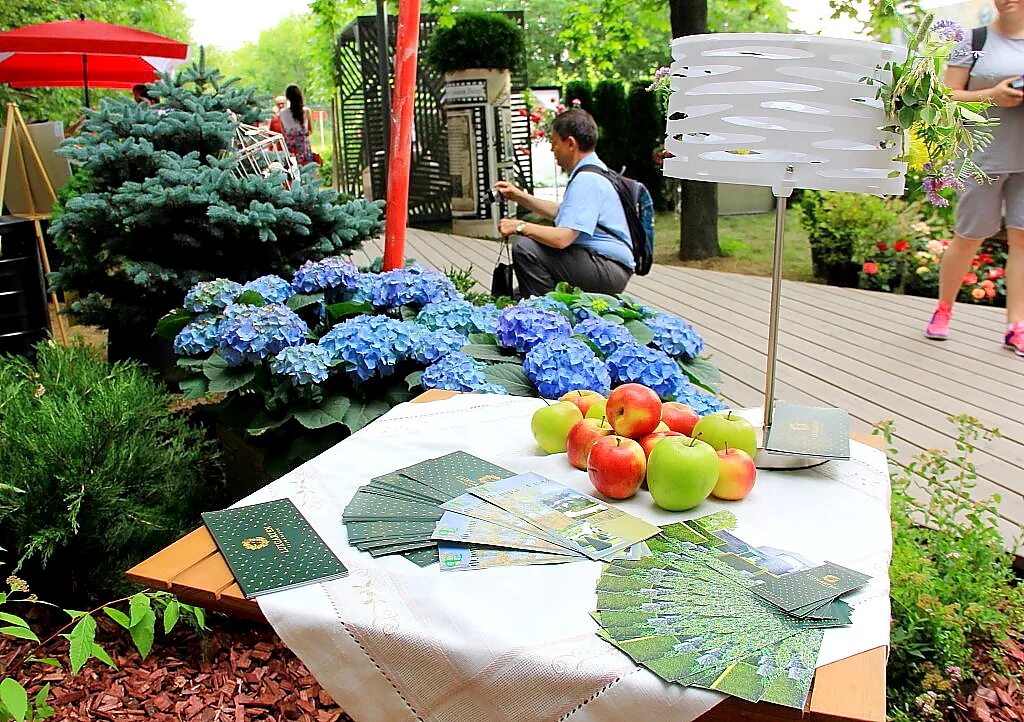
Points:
x=212 y=295
x=369 y=346
x=198 y=337
x=700 y=400
x=485 y=318
x=563 y=365
x=274 y=289
x=456 y=372
x=336 y=273
x=429 y=346
x=414 y=285
x=450 y=313
x=522 y=327
x=491 y=388
x=605 y=335
x=365 y=284
x=582 y=313
x=675 y=336
x=546 y=303
x=651 y=367
x=306 y=364
x=251 y=333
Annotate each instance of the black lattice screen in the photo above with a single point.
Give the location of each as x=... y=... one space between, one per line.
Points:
x=362 y=121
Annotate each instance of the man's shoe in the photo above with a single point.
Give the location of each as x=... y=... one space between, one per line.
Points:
x=938 y=328
x=1014 y=338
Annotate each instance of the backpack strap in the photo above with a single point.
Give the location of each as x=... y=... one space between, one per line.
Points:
x=978 y=37
x=590 y=168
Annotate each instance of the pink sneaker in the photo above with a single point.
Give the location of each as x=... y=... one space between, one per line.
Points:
x=938 y=328
x=1015 y=338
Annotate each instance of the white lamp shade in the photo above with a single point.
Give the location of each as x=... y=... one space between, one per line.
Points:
x=786 y=111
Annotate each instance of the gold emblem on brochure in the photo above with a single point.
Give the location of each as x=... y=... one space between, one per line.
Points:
x=255 y=543
x=830 y=579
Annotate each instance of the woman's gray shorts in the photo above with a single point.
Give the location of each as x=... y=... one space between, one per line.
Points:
x=980 y=207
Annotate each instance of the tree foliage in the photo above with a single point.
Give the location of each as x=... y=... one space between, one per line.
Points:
x=164 y=17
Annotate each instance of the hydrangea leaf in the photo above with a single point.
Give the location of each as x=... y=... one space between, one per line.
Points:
x=194 y=387
x=701 y=372
x=483 y=338
x=613 y=318
x=251 y=298
x=302 y=300
x=338 y=311
x=485 y=352
x=262 y=422
x=360 y=414
x=224 y=378
x=332 y=410
x=511 y=377
x=171 y=324
x=641 y=332
x=413 y=379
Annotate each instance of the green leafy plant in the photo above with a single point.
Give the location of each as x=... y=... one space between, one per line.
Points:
x=96 y=472
x=140 y=621
x=163 y=205
x=954 y=595
x=476 y=40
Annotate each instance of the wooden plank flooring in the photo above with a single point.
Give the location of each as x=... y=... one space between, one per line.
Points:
x=859 y=350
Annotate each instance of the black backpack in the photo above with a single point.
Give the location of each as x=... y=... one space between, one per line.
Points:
x=639 y=209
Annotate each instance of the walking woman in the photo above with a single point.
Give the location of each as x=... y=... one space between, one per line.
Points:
x=295 y=120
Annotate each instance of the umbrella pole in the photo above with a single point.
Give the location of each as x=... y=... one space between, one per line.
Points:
x=85 y=77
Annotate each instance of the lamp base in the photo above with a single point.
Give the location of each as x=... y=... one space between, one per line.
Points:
x=785 y=462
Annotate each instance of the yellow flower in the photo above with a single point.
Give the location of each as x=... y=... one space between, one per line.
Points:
x=917 y=156
x=922 y=270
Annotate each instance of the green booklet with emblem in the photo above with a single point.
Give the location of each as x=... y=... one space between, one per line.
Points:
x=270 y=547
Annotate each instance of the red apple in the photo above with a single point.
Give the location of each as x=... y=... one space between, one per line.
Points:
x=679 y=417
x=616 y=466
x=653 y=438
x=633 y=410
x=736 y=472
x=581 y=437
x=583 y=398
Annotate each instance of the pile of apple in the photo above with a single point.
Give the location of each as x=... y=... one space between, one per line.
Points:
x=632 y=436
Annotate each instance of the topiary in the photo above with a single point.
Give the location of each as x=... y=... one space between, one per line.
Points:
x=476 y=40
x=96 y=471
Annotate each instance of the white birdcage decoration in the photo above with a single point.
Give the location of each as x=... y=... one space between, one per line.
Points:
x=261 y=152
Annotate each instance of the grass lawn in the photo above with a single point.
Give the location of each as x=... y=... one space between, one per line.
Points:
x=747 y=242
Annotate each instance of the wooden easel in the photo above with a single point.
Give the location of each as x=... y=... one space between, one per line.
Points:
x=15 y=148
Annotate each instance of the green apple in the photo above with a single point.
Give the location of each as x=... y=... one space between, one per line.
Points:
x=681 y=472
x=551 y=424
x=597 y=409
x=726 y=430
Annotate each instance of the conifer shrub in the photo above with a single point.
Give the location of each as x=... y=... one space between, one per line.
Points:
x=158 y=206
x=96 y=472
x=476 y=40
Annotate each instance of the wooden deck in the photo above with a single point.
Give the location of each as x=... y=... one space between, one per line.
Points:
x=859 y=350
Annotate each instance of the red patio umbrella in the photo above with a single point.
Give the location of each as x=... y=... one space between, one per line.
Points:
x=85 y=52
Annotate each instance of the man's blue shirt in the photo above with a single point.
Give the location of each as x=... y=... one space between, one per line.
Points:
x=590 y=199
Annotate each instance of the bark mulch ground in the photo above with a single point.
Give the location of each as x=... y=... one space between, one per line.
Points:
x=238 y=672
x=999 y=696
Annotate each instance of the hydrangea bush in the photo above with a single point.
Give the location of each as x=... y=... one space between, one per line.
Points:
x=334 y=346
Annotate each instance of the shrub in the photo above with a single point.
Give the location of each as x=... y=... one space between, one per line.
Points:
x=580 y=90
x=476 y=40
x=162 y=206
x=954 y=595
x=96 y=472
x=837 y=222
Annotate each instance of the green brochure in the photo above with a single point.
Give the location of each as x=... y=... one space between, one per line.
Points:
x=809 y=431
x=270 y=547
x=453 y=473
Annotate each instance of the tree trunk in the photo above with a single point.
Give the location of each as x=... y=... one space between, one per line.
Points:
x=698 y=213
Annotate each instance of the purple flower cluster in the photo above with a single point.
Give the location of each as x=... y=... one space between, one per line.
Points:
x=414 y=285
x=675 y=336
x=648 y=366
x=251 y=333
x=329 y=273
x=522 y=328
x=933 y=182
x=949 y=31
x=563 y=365
x=212 y=295
x=306 y=364
x=273 y=289
x=198 y=337
x=369 y=346
x=605 y=335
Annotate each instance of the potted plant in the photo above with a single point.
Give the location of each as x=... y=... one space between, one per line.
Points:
x=476 y=55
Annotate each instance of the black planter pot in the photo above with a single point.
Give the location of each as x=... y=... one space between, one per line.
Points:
x=845 y=275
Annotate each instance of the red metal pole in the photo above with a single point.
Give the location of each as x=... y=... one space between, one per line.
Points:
x=400 y=154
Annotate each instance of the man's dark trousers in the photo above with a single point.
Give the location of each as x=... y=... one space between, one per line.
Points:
x=539 y=268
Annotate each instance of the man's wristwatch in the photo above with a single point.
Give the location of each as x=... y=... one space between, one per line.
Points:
x=521 y=228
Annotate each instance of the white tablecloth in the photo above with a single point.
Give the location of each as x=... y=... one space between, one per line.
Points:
x=393 y=641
